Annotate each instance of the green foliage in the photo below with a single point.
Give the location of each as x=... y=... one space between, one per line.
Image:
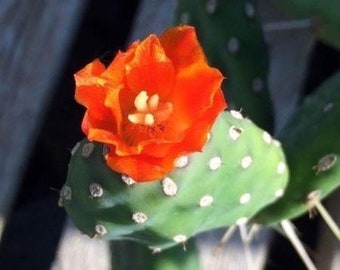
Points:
x=232 y=38
x=312 y=147
x=240 y=171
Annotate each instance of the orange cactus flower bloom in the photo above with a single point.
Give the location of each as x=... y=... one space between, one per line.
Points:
x=154 y=103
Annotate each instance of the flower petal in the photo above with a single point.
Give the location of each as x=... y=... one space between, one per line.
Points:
x=182 y=47
x=89 y=86
x=118 y=68
x=141 y=167
x=197 y=135
x=90 y=92
x=119 y=146
x=153 y=103
x=94 y=68
x=149 y=50
x=192 y=97
x=154 y=77
x=112 y=102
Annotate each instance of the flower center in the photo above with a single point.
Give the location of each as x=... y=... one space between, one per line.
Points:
x=149 y=110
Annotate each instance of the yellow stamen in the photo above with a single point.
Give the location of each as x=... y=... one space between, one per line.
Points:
x=136 y=118
x=141 y=101
x=149 y=120
x=149 y=111
x=153 y=102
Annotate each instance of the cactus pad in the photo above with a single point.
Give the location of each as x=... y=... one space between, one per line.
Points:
x=240 y=170
x=311 y=143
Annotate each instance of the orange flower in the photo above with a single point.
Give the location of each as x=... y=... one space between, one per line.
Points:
x=153 y=103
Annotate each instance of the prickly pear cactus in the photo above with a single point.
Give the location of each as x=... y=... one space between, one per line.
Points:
x=232 y=38
x=240 y=170
x=323 y=14
x=311 y=143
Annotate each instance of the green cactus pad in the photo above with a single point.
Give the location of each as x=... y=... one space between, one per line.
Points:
x=323 y=13
x=312 y=146
x=232 y=39
x=240 y=170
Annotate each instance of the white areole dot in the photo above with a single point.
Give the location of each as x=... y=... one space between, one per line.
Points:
x=156 y=250
x=185 y=17
x=245 y=198
x=266 y=137
x=66 y=193
x=139 y=217
x=234 y=132
x=215 y=163
x=87 y=149
x=100 y=229
x=276 y=143
x=208 y=137
x=206 y=200
x=181 y=162
x=75 y=148
x=233 y=45
x=242 y=220
x=128 y=180
x=328 y=107
x=180 y=238
x=236 y=114
x=279 y=193
x=325 y=163
x=246 y=162
x=281 y=168
x=211 y=6
x=96 y=190
x=169 y=187
x=250 y=10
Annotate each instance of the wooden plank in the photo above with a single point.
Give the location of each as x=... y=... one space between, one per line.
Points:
x=34 y=40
